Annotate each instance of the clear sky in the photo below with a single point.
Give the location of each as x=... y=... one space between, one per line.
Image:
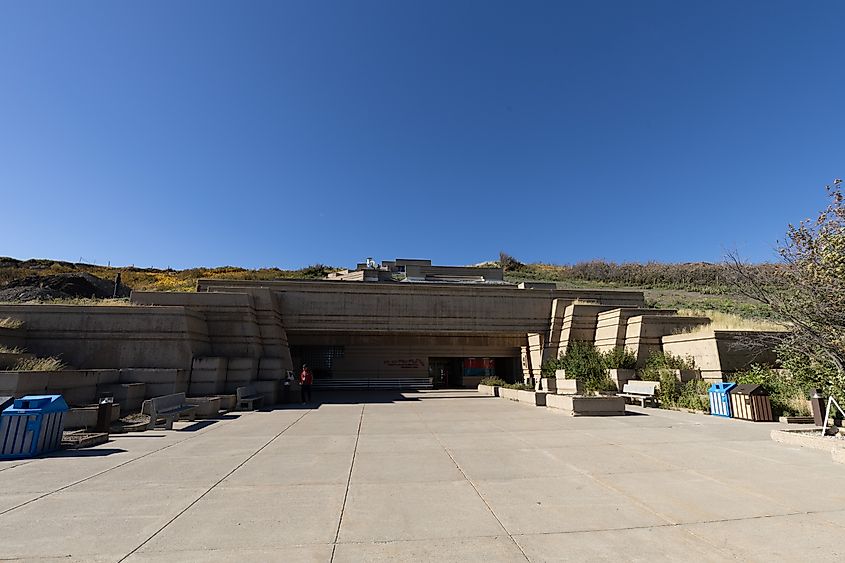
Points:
x=287 y=133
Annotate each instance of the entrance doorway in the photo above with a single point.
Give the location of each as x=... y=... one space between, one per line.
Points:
x=446 y=372
x=467 y=372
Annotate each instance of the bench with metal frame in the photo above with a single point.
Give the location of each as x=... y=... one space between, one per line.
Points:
x=641 y=391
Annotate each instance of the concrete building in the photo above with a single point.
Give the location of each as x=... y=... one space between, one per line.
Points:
x=409 y=320
x=419 y=271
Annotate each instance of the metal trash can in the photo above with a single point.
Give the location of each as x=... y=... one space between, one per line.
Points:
x=720 y=402
x=750 y=402
x=32 y=426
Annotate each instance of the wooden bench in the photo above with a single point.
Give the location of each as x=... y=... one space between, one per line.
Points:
x=247 y=396
x=168 y=408
x=640 y=391
x=376 y=383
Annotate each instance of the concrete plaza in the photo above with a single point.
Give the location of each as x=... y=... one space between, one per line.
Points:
x=439 y=475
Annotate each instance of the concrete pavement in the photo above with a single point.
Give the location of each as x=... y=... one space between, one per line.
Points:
x=440 y=475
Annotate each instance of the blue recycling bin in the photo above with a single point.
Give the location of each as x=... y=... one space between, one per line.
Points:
x=32 y=426
x=720 y=401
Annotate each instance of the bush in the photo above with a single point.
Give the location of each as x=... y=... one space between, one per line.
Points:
x=619 y=358
x=815 y=371
x=583 y=362
x=549 y=368
x=660 y=366
x=518 y=386
x=493 y=381
x=658 y=362
x=786 y=394
x=694 y=395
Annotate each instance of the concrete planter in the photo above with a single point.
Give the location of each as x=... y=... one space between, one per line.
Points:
x=577 y=405
x=621 y=376
x=569 y=387
x=506 y=393
x=492 y=390
x=548 y=384
x=536 y=398
x=207 y=407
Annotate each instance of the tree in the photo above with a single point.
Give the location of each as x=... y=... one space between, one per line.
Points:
x=806 y=292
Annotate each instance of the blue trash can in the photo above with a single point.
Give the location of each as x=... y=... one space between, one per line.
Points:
x=32 y=426
x=720 y=401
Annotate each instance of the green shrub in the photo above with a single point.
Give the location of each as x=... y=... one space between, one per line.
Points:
x=660 y=366
x=549 y=368
x=583 y=362
x=658 y=362
x=694 y=395
x=518 y=386
x=813 y=371
x=619 y=358
x=786 y=394
x=493 y=381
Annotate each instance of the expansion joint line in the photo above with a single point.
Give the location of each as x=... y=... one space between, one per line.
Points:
x=212 y=487
x=118 y=466
x=477 y=492
x=348 y=481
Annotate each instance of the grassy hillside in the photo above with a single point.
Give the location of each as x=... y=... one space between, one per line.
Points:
x=694 y=287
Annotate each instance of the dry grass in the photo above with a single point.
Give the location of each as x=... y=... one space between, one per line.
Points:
x=728 y=321
x=11 y=350
x=10 y=322
x=39 y=364
x=120 y=302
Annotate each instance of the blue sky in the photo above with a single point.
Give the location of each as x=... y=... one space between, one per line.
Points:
x=184 y=133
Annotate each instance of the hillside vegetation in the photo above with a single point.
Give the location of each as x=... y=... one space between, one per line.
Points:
x=701 y=287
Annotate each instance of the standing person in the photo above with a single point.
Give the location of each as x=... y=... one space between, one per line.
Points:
x=306 y=378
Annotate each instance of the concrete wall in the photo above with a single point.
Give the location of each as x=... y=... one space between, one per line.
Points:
x=79 y=387
x=90 y=337
x=720 y=353
x=578 y=324
x=611 y=326
x=317 y=306
x=230 y=318
x=13 y=337
x=645 y=333
x=532 y=357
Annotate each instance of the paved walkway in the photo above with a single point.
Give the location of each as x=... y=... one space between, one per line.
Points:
x=450 y=476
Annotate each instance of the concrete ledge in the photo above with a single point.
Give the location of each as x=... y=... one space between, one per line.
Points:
x=506 y=393
x=536 y=398
x=228 y=402
x=207 y=407
x=587 y=406
x=491 y=390
x=812 y=439
x=86 y=417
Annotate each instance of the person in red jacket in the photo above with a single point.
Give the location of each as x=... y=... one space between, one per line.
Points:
x=306 y=378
